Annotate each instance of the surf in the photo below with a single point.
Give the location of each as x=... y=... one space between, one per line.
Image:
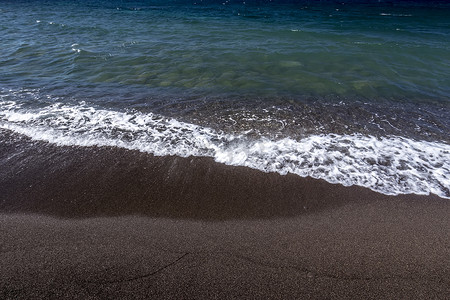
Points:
x=389 y=165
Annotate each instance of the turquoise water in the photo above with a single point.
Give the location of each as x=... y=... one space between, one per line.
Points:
x=264 y=49
x=353 y=92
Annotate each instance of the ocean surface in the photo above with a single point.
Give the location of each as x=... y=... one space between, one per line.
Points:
x=352 y=92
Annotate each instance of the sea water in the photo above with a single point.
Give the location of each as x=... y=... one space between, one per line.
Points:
x=353 y=92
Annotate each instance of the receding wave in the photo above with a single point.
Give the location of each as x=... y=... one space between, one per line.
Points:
x=390 y=165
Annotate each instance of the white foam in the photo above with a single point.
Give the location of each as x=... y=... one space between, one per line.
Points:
x=390 y=165
x=395 y=15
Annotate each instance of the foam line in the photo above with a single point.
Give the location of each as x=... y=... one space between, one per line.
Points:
x=390 y=165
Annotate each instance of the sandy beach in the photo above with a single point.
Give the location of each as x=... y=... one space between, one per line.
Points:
x=264 y=149
x=96 y=223
x=372 y=250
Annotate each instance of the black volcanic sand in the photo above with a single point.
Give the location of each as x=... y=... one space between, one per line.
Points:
x=95 y=223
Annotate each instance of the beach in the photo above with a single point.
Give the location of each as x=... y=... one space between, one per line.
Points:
x=132 y=230
x=208 y=149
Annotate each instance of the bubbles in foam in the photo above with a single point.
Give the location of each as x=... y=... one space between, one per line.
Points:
x=390 y=165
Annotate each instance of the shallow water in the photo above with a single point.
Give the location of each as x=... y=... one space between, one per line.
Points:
x=354 y=92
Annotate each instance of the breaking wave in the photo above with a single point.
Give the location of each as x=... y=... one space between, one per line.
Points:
x=390 y=165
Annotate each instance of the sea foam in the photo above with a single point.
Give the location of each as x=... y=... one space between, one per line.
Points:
x=390 y=165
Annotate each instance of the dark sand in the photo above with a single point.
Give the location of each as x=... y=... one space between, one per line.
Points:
x=93 y=223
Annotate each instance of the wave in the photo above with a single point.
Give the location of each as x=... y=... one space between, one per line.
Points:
x=390 y=165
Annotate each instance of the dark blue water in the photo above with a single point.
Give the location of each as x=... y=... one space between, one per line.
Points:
x=355 y=92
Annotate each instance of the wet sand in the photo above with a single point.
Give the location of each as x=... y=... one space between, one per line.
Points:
x=108 y=223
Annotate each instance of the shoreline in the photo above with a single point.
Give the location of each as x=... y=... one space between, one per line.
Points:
x=64 y=181
x=112 y=223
